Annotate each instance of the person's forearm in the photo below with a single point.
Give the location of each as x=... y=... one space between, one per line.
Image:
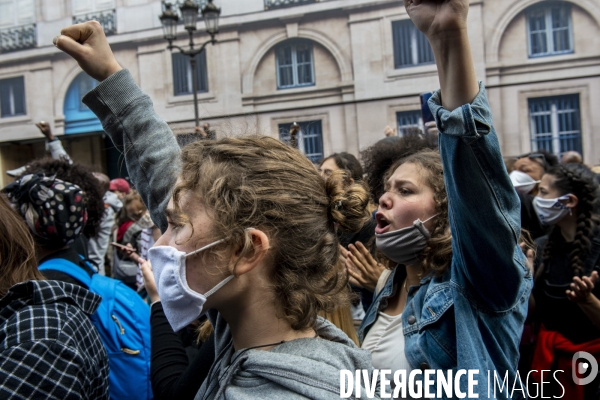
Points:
x=57 y=150
x=458 y=81
x=592 y=310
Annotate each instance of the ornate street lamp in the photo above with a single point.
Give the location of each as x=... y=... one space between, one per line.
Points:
x=189 y=13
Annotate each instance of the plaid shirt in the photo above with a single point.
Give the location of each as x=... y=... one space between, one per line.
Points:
x=49 y=348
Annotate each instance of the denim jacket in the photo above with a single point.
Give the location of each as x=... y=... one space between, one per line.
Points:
x=472 y=316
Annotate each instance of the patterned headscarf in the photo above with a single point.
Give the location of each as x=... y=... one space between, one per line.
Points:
x=54 y=210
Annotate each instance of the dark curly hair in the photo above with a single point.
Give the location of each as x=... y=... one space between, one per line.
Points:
x=378 y=158
x=579 y=180
x=81 y=176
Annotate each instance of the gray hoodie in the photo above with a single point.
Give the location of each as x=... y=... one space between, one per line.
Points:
x=299 y=369
x=304 y=368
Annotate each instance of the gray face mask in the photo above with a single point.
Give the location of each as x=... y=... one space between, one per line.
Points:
x=405 y=245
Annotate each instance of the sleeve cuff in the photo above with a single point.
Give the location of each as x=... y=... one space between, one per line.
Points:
x=469 y=121
x=116 y=92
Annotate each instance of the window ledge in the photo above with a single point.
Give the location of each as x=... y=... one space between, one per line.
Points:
x=411 y=72
x=297 y=94
x=174 y=101
x=557 y=54
x=16 y=120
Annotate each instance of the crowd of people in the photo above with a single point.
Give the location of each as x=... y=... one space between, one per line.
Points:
x=237 y=269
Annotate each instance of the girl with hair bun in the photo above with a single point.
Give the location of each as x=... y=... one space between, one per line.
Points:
x=566 y=292
x=248 y=237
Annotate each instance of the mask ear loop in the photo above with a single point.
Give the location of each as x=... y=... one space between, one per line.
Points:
x=566 y=197
x=433 y=216
x=224 y=281
x=208 y=246
x=219 y=286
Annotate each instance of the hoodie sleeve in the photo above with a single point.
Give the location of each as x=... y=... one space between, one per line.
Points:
x=151 y=153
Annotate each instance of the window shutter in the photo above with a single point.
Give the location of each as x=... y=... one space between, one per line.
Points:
x=304 y=64
x=12 y=97
x=5 y=108
x=312 y=140
x=201 y=73
x=180 y=74
x=18 y=89
x=423 y=48
x=285 y=66
x=401 y=35
x=569 y=124
x=561 y=34
x=537 y=32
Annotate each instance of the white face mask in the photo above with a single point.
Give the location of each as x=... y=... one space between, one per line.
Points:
x=550 y=211
x=405 y=245
x=522 y=182
x=181 y=304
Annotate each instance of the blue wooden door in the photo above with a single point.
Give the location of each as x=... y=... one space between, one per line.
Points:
x=78 y=117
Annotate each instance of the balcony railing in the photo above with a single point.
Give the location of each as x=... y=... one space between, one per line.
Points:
x=106 y=18
x=273 y=4
x=17 y=38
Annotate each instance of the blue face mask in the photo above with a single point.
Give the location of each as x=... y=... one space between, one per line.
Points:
x=181 y=304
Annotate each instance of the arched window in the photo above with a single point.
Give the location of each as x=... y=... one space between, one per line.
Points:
x=549 y=29
x=295 y=67
x=78 y=117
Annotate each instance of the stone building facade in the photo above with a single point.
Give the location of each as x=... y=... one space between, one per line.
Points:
x=343 y=69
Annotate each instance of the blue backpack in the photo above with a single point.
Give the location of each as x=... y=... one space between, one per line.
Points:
x=123 y=322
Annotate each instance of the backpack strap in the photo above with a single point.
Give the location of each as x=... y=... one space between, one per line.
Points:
x=89 y=264
x=67 y=267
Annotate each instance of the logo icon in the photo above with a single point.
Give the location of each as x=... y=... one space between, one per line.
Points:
x=584 y=364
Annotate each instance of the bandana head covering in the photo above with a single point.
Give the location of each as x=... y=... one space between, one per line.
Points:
x=54 y=210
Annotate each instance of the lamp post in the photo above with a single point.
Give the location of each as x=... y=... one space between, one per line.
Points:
x=189 y=14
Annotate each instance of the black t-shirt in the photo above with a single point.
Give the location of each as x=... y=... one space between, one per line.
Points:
x=553 y=308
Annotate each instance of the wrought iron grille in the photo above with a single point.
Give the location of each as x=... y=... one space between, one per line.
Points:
x=106 y=18
x=273 y=4
x=17 y=38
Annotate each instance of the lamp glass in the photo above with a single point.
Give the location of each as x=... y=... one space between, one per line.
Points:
x=211 y=19
x=169 y=28
x=189 y=12
x=168 y=20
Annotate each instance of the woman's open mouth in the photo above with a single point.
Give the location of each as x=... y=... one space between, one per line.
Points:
x=382 y=224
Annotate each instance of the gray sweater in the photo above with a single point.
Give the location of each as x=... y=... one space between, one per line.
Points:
x=299 y=369
x=303 y=368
